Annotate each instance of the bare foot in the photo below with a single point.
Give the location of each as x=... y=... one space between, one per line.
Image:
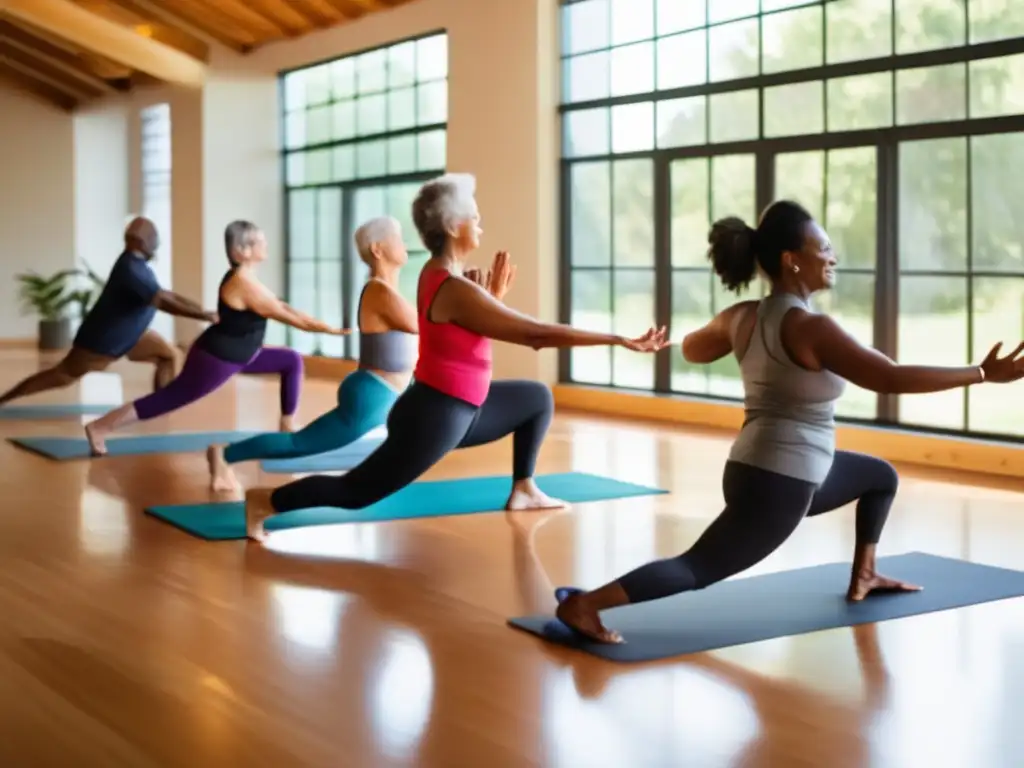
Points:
x=222 y=478
x=288 y=424
x=867 y=582
x=527 y=496
x=578 y=615
x=95 y=435
x=257 y=510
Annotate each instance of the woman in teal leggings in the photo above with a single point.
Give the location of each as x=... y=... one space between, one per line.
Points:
x=387 y=354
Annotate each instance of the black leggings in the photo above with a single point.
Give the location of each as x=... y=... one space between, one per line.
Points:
x=762 y=509
x=424 y=425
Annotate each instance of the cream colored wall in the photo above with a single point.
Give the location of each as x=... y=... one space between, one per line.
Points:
x=37 y=199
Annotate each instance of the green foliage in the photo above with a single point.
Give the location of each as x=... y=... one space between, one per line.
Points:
x=52 y=297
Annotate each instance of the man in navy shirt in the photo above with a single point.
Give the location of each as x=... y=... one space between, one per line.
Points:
x=118 y=324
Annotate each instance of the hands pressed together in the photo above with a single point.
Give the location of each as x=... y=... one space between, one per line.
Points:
x=498 y=279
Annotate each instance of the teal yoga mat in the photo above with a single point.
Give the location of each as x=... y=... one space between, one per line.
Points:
x=748 y=610
x=52 y=411
x=226 y=520
x=67 y=448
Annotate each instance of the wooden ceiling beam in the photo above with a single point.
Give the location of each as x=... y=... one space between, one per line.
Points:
x=167 y=28
x=36 y=87
x=350 y=9
x=52 y=56
x=61 y=49
x=209 y=23
x=53 y=72
x=70 y=21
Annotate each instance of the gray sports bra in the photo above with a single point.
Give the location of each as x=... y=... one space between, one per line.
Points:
x=388 y=351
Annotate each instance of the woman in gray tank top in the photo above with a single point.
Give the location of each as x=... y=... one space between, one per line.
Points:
x=783 y=465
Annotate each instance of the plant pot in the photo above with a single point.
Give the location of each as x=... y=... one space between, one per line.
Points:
x=55 y=334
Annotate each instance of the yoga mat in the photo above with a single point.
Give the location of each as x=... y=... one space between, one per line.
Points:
x=52 y=411
x=748 y=610
x=345 y=458
x=226 y=520
x=66 y=448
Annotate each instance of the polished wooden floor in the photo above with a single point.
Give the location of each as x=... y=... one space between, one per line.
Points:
x=125 y=642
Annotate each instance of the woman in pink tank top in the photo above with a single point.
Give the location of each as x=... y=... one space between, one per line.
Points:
x=452 y=403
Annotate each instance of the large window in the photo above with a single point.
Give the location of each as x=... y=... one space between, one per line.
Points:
x=898 y=123
x=361 y=134
x=156 y=195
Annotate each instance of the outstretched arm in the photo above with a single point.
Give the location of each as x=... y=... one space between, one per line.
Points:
x=842 y=354
x=259 y=299
x=175 y=304
x=461 y=302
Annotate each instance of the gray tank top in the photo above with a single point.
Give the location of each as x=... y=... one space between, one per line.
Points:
x=389 y=351
x=789 y=426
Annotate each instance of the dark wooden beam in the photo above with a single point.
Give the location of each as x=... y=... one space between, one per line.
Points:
x=60 y=78
x=41 y=90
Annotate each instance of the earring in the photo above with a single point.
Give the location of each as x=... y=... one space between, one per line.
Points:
x=795 y=269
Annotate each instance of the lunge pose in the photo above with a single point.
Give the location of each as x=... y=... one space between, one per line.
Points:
x=234 y=344
x=117 y=325
x=783 y=465
x=452 y=402
x=387 y=353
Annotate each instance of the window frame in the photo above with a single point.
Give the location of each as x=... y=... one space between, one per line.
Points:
x=349 y=187
x=886 y=140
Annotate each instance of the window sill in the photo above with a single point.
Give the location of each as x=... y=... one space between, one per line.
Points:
x=1003 y=459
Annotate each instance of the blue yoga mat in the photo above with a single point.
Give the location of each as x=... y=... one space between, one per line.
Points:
x=66 y=448
x=345 y=458
x=52 y=411
x=226 y=520
x=748 y=610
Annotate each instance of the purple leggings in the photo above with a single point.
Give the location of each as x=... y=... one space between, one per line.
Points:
x=203 y=373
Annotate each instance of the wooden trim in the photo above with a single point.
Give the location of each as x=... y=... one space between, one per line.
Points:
x=896 y=445
x=327 y=367
x=29 y=342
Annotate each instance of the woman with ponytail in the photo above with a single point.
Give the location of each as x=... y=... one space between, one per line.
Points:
x=783 y=467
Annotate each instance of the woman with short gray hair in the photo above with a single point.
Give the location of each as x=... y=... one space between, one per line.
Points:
x=387 y=354
x=453 y=402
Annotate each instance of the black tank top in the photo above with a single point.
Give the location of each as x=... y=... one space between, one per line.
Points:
x=238 y=335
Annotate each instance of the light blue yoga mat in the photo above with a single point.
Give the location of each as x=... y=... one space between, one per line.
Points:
x=750 y=609
x=437 y=498
x=346 y=458
x=66 y=448
x=52 y=411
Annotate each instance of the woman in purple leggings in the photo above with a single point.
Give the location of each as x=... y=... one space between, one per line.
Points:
x=232 y=345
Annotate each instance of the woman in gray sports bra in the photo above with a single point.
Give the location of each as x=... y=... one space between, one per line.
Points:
x=388 y=332
x=783 y=465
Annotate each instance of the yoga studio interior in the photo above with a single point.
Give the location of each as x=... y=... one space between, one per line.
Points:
x=613 y=514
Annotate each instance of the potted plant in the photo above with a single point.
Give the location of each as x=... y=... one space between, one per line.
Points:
x=53 y=299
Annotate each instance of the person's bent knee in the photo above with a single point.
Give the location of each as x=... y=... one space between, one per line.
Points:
x=888 y=479
x=294 y=362
x=539 y=396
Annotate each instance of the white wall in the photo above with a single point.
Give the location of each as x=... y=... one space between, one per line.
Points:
x=37 y=199
x=101 y=182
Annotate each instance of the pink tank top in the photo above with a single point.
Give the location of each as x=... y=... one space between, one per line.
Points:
x=452 y=360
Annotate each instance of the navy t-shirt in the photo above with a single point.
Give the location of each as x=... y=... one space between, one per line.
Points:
x=123 y=311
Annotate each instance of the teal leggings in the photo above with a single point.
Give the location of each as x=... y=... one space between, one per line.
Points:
x=364 y=401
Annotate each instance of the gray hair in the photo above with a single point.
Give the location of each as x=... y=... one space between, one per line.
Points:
x=376 y=230
x=441 y=204
x=237 y=235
